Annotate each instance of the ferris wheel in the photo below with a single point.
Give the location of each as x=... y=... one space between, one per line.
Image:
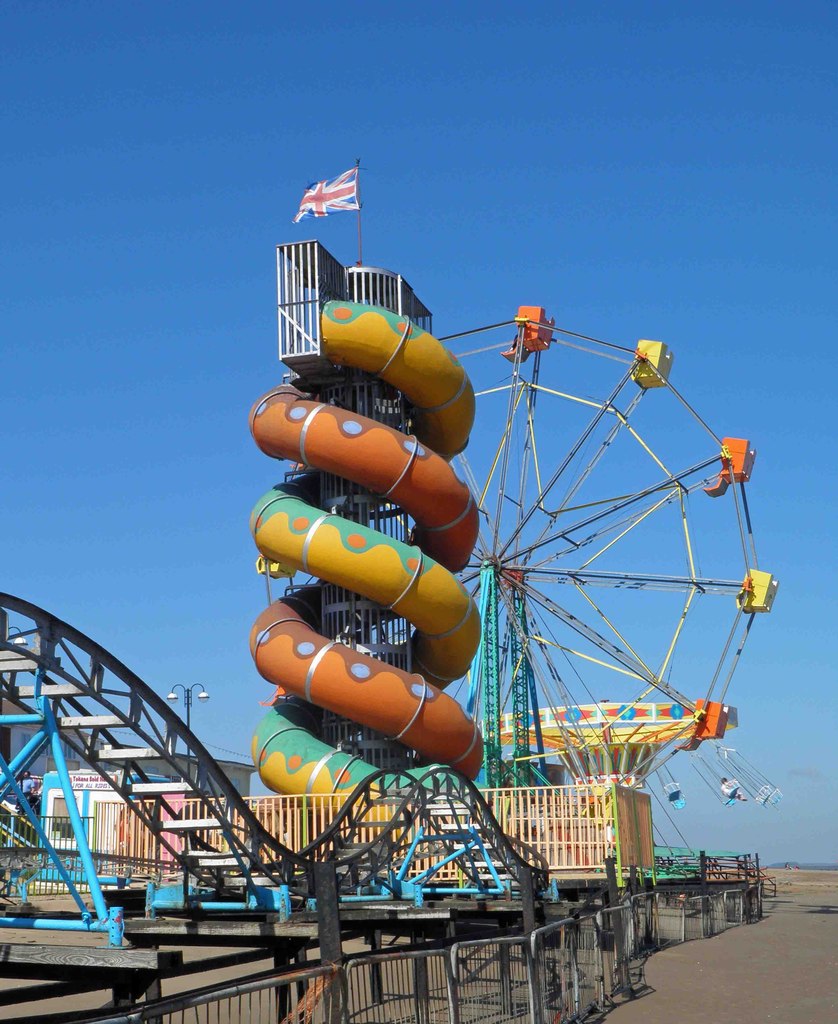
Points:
x=616 y=567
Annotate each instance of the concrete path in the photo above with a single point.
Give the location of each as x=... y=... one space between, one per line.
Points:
x=783 y=969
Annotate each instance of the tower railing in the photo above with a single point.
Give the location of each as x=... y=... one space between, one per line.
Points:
x=308 y=276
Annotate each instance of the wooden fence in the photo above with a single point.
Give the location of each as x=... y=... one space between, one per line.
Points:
x=634 y=844
x=574 y=827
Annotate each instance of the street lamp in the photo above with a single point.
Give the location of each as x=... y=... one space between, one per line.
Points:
x=188 y=691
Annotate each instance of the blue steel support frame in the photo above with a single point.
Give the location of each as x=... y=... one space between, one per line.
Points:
x=82 y=843
x=175 y=897
x=43 y=839
x=109 y=920
x=469 y=841
x=25 y=756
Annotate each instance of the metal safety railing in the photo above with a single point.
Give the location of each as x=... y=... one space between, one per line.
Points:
x=492 y=980
x=558 y=974
x=410 y=985
x=316 y=995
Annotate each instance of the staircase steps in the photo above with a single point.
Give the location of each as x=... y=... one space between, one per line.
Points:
x=195 y=825
x=90 y=722
x=158 y=788
x=127 y=754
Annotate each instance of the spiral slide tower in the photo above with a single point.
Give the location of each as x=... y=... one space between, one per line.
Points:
x=375 y=409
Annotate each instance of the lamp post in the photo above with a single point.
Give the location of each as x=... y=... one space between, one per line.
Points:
x=188 y=692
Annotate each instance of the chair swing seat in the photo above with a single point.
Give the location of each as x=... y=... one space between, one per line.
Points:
x=768 y=796
x=674 y=795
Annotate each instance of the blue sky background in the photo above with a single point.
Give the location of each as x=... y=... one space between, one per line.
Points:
x=643 y=170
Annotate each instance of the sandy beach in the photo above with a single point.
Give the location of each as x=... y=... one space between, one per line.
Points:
x=785 y=968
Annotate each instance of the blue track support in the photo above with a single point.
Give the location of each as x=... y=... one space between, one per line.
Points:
x=25 y=756
x=116 y=926
x=53 y=924
x=470 y=842
x=43 y=839
x=373 y=897
x=403 y=870
x=274 y=898
x=83 y=846
x=150 y=894
x=173 y=897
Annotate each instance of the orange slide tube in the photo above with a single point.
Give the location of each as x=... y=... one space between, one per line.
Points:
x=287 y=425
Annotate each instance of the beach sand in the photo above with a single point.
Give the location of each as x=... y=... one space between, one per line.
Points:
x=784 y=968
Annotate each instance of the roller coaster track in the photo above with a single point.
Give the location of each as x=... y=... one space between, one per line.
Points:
x=374 y=830
x=115 y=723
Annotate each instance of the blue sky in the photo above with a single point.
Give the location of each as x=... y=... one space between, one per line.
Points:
x=641 y=170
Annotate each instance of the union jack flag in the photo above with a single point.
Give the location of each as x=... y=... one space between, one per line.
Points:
x=324 y=197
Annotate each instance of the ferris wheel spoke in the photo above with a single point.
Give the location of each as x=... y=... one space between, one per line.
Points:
x=598 y=640
x=608 y=440
x=586 y=740
x=676 y=636
x=623 y=658
x=469 y=575
x=530 y=453
x=629 y=522
x=516 y=393
x=737 y=655
x=566 y=461
x=484 y=520
x=632 y=580
x=549 y=678
x=475 y=330
x=551 y=641
x=593 y=462
x=499 y=466
x=581 y=590
x=667 y=484
x=671 y=485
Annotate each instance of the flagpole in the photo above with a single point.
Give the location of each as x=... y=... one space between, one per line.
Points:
x=358 y=194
